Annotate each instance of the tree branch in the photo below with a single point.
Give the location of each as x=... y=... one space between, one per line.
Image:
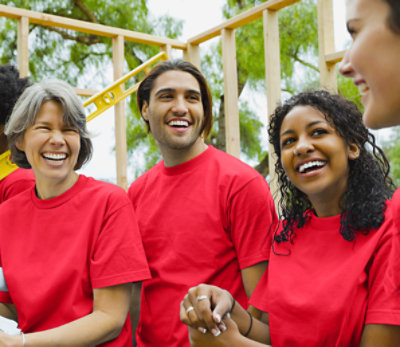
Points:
x=303 y=62
x=86 y=10
x=87 y=40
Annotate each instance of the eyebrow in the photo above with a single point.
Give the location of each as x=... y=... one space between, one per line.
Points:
x=309 y=125
x=172 y=90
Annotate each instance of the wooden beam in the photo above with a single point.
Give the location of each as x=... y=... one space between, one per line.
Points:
x=241 y=19
x=334 y=58
x=85 y=91
x=232 y=129
x=87 y=27
x=192 y=54
x=326 y=44
x=22 y=44
x=120 y=119
x=273 y=83
x=168 y=50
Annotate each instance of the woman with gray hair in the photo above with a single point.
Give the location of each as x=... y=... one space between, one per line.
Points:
x=69 y=247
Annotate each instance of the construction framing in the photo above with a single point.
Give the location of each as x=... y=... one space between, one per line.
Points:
x=268 y=11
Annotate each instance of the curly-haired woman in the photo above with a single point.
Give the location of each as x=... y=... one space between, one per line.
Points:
x=326 y=282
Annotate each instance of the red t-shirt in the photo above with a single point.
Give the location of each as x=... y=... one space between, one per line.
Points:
x=54 y=252
x=393 y=272
x=15 y=183
x=201 y=222
x=321 y=290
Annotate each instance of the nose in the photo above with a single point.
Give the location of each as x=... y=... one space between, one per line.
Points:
x=345 y=67
x=57 y=138
x=303 y=147
x=180 y=106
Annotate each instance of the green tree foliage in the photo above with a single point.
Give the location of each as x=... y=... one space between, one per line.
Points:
x=77 y=58
x=71 y=56
x=299 y=69
x=392 y=150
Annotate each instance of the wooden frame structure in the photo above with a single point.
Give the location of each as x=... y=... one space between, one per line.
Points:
x=268 y=11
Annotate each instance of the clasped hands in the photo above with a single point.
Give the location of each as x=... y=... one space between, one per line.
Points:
x=206 y=310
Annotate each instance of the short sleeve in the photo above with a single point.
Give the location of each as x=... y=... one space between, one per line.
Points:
x=384 y=298
x=4 y=295
x=252 y=218
x=118 y=256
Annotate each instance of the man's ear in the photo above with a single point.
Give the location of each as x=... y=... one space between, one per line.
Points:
x=145 y=111
x=354 y=151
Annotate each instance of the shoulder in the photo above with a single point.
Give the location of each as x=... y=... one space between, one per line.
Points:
x=232 y=166
x=140 y=182
x=102 y=191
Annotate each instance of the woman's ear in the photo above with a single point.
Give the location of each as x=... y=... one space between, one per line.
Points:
x=354 y=151
x=20 y=144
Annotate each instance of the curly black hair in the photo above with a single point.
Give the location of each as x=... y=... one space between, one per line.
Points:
x=369 y=184
x=11 y=88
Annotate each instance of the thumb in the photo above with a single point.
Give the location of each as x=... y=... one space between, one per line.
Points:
x=230 y=323
x=221 y=310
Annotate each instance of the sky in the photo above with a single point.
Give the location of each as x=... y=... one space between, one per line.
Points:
x=198 y=16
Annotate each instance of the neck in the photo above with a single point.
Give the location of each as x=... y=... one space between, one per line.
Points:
x=173 y=157
x=48 y=189
x=325 y=207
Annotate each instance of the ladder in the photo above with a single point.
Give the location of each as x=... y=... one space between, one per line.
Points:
x=102 y=102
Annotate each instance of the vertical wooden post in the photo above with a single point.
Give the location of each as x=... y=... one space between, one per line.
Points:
x=326 y=43
x=192 y=54
x=22 y=44
x=273 y=82
x=120 y=119
x=167 y=49
x=232 y=128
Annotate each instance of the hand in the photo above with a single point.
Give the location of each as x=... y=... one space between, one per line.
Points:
x=231 y=337
x=10 y=340
x=204 y=307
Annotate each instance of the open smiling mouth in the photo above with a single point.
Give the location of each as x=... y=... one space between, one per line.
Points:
x=182 y=124
x=311 y=166
x=54 y=156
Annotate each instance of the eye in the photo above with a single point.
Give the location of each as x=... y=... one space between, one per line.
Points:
x=42 y=127
x=71 y=130
x=194 y=97
x=319 y=131
x=288 y=141
x=166 y=96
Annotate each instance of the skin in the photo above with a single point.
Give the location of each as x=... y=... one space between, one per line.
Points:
x=373 y=61
x=306 y=136
x=110 y=308
x=49 y=135
x=176 y=97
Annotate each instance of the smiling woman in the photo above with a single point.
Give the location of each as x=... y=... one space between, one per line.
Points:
x=69 y=284
x=326 y=283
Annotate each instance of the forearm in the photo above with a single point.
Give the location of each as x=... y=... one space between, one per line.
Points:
x=259 y=331
x=90 y=330
x=8 y=311
x=134 y=308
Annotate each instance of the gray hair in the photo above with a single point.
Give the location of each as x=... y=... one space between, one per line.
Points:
x=26 y=111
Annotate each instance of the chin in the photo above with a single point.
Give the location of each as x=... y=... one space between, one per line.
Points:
x=379 y=119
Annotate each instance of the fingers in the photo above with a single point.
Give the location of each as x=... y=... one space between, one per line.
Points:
x=189 y=316
x=223 y=305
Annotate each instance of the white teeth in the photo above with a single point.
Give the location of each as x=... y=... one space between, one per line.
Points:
x=306 y=166
x=183 y=123
x=363 y=88
x=55 y=156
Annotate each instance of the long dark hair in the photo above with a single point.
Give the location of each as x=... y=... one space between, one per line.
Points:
x=369 y=184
